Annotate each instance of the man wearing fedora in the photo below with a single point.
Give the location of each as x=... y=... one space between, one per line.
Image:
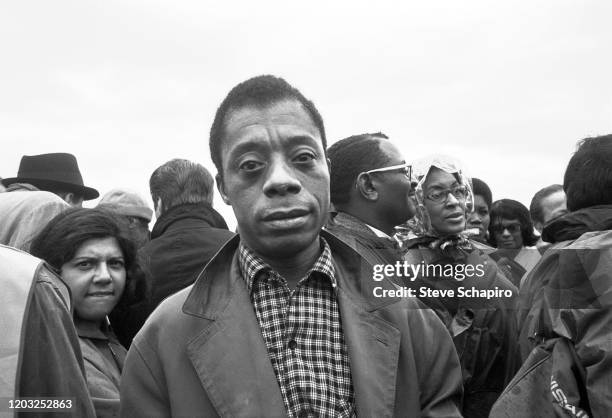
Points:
x=57 y=173
x=45 y=186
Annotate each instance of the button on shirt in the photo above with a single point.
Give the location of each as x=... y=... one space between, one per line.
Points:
x=303 y=335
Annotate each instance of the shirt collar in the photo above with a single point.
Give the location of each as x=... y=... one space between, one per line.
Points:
x=86 y=332
x=379 y=233
x=251 y=264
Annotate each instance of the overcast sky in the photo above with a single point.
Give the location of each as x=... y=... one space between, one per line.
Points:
x=508 y=87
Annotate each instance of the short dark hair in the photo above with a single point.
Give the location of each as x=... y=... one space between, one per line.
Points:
x=260 y=92
x=179 y=182
x=588 y=177
x=535 y=207
x=61 y=238
x=512 y=209
x=481 y=188
x=348 y=158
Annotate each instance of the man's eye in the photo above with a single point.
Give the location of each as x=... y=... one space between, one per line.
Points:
x=304 y=157
x=250 y=165
x=483 y=212
x=435 y=195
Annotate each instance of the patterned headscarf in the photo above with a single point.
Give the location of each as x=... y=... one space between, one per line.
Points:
x=421 y=224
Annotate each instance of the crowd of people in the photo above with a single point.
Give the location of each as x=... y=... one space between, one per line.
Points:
x=283 y=317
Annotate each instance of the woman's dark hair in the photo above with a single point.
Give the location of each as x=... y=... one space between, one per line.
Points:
x=62 y=237
x=481 y=188
x=511 y=209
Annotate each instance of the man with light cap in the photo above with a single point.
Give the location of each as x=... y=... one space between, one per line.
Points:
x=133 y=209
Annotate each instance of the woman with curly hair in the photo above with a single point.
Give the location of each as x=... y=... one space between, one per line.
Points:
x=94 y=256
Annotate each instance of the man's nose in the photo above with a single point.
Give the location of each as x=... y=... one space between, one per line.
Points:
x=281 y=179
x=506 y=232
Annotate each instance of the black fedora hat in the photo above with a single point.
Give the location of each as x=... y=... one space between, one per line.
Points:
x=54 y=171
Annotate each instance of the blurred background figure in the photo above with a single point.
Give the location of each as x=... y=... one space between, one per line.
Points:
x=511 y=232
x=57 y=173
x=186 y=234
x=479 y=219
x=23 y=214
x=565 y=309
x=2 y=188
x=39 y=348
x=131 y=207
x=95 y=258
x=546 y=205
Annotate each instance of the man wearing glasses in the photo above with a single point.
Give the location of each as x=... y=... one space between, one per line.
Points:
x=370 y=189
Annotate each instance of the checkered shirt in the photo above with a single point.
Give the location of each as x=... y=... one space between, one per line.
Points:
x=303 y=335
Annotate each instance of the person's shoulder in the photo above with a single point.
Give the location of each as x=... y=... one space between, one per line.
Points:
x=593 y=240
x=166 y=317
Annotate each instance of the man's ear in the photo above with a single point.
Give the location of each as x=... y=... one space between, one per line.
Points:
x=538 y=226
x=158 y=205
x=221 y=188
x=73 y=199
x=365 y=187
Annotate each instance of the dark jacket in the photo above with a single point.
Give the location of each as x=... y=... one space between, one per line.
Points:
x=483 y=330
x=356 y=233
x=567 y=295
x=202 y=353
x=183 y=241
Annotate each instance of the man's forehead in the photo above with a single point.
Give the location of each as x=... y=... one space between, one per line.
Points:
x=287 y=114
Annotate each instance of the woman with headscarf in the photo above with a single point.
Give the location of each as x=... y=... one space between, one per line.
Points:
x=483 y=327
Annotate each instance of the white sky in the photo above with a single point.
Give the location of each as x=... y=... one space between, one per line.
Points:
x=508 y=87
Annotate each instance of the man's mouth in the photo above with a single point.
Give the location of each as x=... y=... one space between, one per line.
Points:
x=286 y=219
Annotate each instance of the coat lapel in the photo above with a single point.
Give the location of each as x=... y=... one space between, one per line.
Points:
x=229 y=355
x=373 y=346
x=373 y=343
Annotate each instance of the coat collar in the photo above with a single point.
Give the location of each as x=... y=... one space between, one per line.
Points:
x=201 y=211
x=217 y=282
x=244 y=381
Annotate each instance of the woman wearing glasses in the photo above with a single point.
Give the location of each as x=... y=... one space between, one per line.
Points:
x=483 y=328
x=511 y=231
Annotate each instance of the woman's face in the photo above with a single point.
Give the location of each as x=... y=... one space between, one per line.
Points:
x=445 y=206
x=480 y=217
x=96 y=277
x=507 y=233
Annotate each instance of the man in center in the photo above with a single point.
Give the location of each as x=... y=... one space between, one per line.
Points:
x=283 y=321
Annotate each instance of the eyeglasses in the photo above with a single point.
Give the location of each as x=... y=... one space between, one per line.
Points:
x=512 y=228
x=441 y=196
x=406 y=168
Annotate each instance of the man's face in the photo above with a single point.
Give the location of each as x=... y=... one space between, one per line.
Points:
x=275 y=176
x=553 y=206
x=394 y=201
x=480 y=218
